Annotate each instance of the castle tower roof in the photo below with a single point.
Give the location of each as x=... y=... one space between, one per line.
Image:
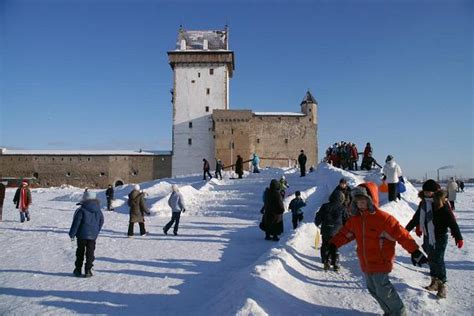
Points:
x=308 y=98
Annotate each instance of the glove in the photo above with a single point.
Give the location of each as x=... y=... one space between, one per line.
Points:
x=459 y=243
x=418 y=258
x=418 y=231
x=72 y=239
x=184 y=210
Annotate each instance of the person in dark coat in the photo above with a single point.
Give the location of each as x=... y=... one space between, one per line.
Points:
x=22 y=200
x=136 y=202
x=109 y=194
x=274 y=209
x=239 y=166
x=331 y=216
x=206 y=169
x=302 y=162
x=219 y=167
x=434 y=217
x=2 y=198
x=86 y=225
x=346 y=190
x=296 y=206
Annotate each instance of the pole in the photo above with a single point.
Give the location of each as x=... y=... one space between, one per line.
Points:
x=438 y=174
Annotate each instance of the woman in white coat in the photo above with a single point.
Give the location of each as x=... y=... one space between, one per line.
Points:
x=393 y=172
x=452 y=188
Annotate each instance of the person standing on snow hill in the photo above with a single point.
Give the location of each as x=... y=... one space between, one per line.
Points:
x=176 y=203
x=452 y=188
x=393 y=172
x=136 y=202
x=206 y=168
x=255 y=163
x=219 y=167
x=86 y=225
x=375 y=232
x=434 y=217
x=296 y=206
x=331 y=216
x=302 y=162
x=346 y=190
x=274 y=209
x=283 y=186
x=22 y=199
x=239 y=166
x=367 y=150
x=109 y=194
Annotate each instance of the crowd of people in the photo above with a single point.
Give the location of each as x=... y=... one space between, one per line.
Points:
x=349 y=214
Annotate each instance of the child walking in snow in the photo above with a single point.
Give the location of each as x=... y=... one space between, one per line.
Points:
x=22 y=199
x=434 y=217
x=296 y=206
x=176 y=202
x=376 y=232
x=86 y=225
x=283 y=186
x=331 y=216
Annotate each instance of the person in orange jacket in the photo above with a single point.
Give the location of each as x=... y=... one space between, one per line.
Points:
x=376 y=232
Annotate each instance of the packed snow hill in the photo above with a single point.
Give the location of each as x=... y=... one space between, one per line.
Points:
x=219 y=263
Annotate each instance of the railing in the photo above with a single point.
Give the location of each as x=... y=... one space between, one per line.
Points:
x=264 y=158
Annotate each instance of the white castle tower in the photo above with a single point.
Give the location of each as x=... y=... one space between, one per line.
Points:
x=202 y=65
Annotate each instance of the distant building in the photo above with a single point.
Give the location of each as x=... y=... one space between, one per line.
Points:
x=95 y=169
x=203 y=125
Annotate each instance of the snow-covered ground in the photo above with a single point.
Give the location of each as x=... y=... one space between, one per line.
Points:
x=219 y=264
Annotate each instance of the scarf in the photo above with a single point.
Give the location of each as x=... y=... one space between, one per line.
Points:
x=426 y=221
x=23 y=199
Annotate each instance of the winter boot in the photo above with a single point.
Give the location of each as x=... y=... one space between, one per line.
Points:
x=337 y=267
x=88 y=273
x=442 y=290
x=77 y=272
x=433 y=285
x=326 y=266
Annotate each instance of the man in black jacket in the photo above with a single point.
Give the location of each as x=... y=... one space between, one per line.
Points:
x=302 y=162
x=109 y=194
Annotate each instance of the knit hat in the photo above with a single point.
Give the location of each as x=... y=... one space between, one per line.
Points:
x=88 y=195
x=174 y=187
x=136 y=187
x=431 y=186
x=297 y=193
x=389 y=158
x=360 y=191
x=24 y=183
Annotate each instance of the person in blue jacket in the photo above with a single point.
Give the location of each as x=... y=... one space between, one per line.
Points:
x=296 y=206
x=86 y=225
x=256 y=163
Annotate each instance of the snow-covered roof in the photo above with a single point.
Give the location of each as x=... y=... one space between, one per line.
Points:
x=217 y=40
x=278 y=114
x=83 y=152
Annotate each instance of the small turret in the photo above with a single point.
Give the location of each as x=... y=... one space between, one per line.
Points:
x=309 y=106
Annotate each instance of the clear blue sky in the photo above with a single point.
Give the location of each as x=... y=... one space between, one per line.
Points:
x=95 y=75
